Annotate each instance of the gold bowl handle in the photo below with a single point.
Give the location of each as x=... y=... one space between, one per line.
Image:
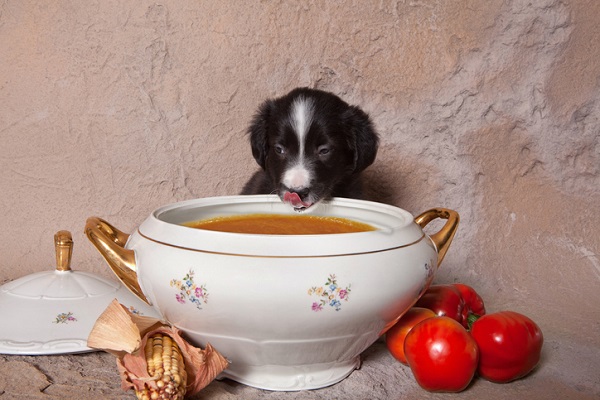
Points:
x=443 y=238
x=110 y=242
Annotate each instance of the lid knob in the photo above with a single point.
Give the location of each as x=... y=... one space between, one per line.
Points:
x=63 y=244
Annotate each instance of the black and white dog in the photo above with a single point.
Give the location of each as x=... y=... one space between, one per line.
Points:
x=311 y=146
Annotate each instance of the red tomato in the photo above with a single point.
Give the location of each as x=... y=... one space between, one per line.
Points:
x=510 y=345
x=473 y=301
x=444 y=300
x=394 y=338
x=441 y=354
x=456 y=301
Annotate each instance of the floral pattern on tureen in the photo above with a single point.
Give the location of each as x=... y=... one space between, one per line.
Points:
x=330 y=294
x=429 y=272
x=190 y=291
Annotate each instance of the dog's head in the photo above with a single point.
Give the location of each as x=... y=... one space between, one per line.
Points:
x=311 y=145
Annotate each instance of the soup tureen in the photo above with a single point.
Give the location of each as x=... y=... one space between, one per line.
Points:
x=290 y=312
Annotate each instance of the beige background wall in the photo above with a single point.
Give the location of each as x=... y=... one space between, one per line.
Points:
x=491 y=108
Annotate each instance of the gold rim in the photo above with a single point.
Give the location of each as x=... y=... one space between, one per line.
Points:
x=265 y=256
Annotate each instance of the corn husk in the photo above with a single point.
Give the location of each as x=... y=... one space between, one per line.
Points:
x=124 y=335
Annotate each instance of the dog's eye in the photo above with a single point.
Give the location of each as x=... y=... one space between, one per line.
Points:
x=324 y=150
x=279 y=149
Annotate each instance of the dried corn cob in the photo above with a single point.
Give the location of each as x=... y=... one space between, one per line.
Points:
x=166 y=368
x=152 y=356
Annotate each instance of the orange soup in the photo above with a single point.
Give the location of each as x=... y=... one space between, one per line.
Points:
x=275 y=224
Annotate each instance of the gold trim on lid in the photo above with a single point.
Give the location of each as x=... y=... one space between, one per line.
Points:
x=63 y=244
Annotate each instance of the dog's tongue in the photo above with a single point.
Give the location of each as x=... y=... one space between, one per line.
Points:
x=294 y=200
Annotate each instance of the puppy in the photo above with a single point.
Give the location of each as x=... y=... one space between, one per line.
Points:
x=311 y=146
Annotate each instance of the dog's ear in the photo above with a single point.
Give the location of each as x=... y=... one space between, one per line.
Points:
x=363 y=139
x=258 y=131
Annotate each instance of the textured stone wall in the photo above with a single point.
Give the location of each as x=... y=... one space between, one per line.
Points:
x=491 y=108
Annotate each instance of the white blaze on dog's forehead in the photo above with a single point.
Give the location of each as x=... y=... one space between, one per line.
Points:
x=301 y=117
x=297 y=176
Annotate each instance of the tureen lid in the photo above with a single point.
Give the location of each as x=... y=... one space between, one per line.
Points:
x=53 y=312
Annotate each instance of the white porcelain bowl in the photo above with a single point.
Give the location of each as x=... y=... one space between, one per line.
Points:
x=290 y=312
